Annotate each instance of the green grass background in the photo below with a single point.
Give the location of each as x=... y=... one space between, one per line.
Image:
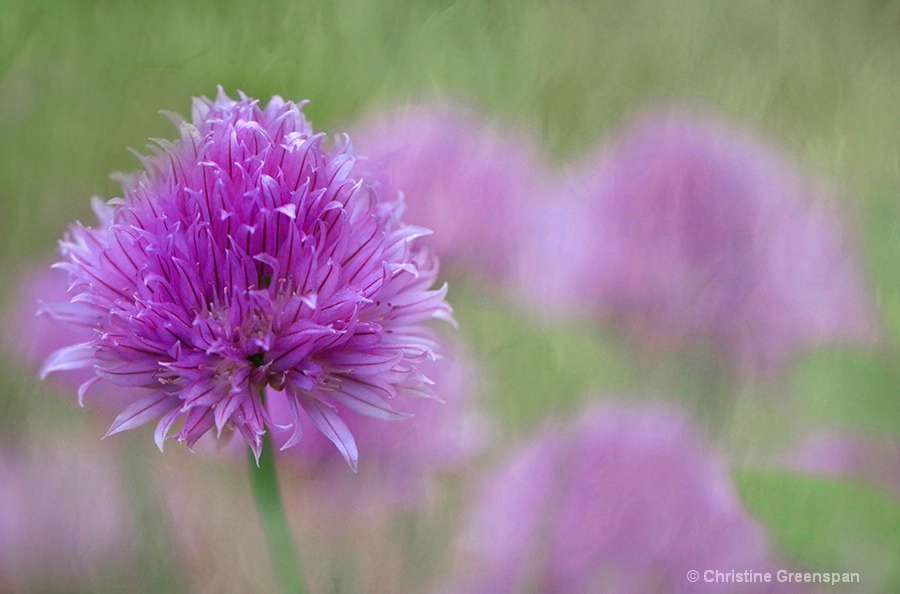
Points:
x=80 y=81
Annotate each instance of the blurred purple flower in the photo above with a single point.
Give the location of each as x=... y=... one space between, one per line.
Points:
x=402 y=457
x=32 y=338
x=463 y=177
x=247 y=255
x=29 y=339
x=63 y=515
x=687 y=227
x=626 y=500
x=872 y=460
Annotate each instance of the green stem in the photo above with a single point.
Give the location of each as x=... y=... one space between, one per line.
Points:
x=274 y=522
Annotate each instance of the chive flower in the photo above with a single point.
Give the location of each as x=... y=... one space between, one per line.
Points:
x=247 y=255
x=628 y=498
x=687 y=226
x=471 y=179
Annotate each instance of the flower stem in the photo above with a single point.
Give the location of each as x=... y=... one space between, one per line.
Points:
x=274 y=522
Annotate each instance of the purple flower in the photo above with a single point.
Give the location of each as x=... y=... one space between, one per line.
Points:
x=626 y=500
x=402 y=456
x=64 y=517
x=470 y=180
x=687 y=228
x=404 y=459
x=246 y=255
x=869 y=459
x=29 y=339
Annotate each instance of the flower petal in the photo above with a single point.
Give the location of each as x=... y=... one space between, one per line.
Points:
x=326 y=420
x=143 y=411
x=72 y=357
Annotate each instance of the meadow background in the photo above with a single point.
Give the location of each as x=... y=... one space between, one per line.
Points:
x=80 y=81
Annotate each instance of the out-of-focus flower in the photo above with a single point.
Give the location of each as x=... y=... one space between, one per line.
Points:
x=463 y=177
x=217 y=550
x=63 y=515
x=401 y=457
x=29 y=339
x=687 y=227
x=865 y=458
x=626 y=500
x=247 y=255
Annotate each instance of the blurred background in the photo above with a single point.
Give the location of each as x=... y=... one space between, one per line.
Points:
x=808 y=444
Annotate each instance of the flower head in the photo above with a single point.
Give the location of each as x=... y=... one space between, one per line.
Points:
x=470 y=179
x=689 y=227
x=626 y=500
x=246 y=255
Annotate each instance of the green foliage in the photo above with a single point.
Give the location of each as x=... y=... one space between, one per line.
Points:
x=846 y=387
x=83 y=80
x=882 y=226
x=535 y=369
x=830 y=525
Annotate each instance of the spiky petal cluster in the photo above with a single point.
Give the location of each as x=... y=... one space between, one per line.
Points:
x=246 y=255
